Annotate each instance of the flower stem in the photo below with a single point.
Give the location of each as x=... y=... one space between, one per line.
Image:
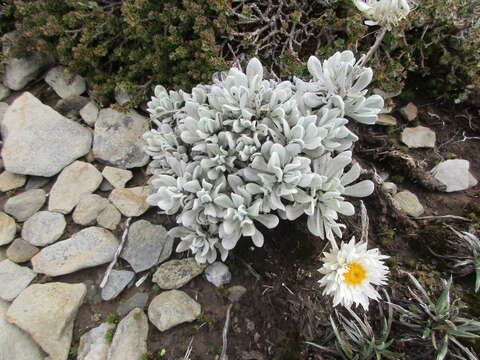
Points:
x=378 y=41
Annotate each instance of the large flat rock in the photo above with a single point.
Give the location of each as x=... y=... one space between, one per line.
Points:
x=118 y=138
x=13 y=279
x=16 y=344
x=74 y=182
x=130 y=339
x=90 y=247
x=131 y=201
x=44 y=228
x=47 y=312
x=38 y=140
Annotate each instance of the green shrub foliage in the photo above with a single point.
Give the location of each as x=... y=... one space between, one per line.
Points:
x=127 y=45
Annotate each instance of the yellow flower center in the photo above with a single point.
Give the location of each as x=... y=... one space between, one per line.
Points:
x=355 y=275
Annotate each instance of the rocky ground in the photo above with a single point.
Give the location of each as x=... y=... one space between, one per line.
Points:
x=74 y=185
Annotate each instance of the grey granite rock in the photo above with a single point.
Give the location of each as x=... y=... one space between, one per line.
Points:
x=88 y=209
x=130 y=339
x=131 y=201
x=172 y=308
x=144 y=245
x=8 y=228
x=47 y=312
x=64 y=83
x=16 y=344
x=36 y=182
x=409 y=112
x=71 y=106
x=174 y=274
x=93 y=344
x=117 y=281
x=20 y=71
x=89 y=113
x=408 y=202
x=109 y=218
x=4 y=92
x=20 y=251
x=3 y=109
x=118 y=138
x=138 y=300
x=89 y=247
x=117 y=177
x=14 y=278
x=74 y=182
x=40 y=141
x=44 y=228
x=24 y=205
x=10 y=181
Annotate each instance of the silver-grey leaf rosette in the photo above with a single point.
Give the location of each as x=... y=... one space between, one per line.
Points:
x=246 y=151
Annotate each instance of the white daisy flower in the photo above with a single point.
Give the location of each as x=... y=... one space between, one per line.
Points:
x=351 y=271
x=383 y=12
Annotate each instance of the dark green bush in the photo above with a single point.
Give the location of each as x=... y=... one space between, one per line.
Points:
x=127 y=45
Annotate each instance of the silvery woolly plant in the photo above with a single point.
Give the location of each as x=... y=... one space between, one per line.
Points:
x=245 y=151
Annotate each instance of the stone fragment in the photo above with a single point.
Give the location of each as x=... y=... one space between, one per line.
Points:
x=20 y=71
x=386 y=120
x=44 y=228
x=117 y=281
x=117 y=177
x=4 y=92
x=8 y=228
x=218 y=274
x=419 y=137
x=74 y=182
x=109 y=218
x=64 y=83
x=38 y=140
x=14 y=278
x=390 y=187
x=24 y=205
x=90 y=247
x=130 y=339
x=175 y=273
x=88 y=209
x=10 y=181
x=455 y=174
x=172 y=308
x=131 y=201
x=236 y=292
x=36 y=182
x=47 y=312
x=16 y=344
x=89 y=113
x=71 y=106
x=3 y=109
x=138 y=300
x=408 y=202
x=409 y=112
x=20 y=251
x=118 y=138
x=106 y=186
x=93 y=344
x=144 y=245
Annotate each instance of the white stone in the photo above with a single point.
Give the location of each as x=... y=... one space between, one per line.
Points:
x=44 y=228
x=64 y=83
x=386 y=120
x=118 y=138
x=218 y=274
x=172 y=308
x=74 y=182
x=24 y=205
x=131 y=201
x=90 y=247
x=117 y=177
x=109 y=218
x=20 y=71
x=40 y=141
x=93 y=344
x=13 y=279
x=419 y=137
x=130 y=339
x=175 y=273
x=47 y=312
x=8 y=228
x=10 y=181
x=409 y=112
x=390 y=187
x=455 y=174
x=89 y=113
x=408 y=202
x=16 y=344
x=88 y=209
